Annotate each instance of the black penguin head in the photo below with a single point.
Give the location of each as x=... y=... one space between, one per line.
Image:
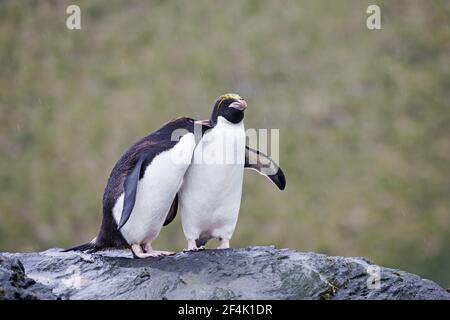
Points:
x=229 y=106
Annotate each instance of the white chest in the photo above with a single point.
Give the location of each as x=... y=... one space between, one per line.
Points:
x=155 y=192
x=211 y=193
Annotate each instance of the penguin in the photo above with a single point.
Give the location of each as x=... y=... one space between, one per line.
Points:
x=141 y=193
x=210 y=195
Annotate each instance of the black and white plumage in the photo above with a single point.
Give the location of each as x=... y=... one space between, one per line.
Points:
x=211 y=193
x=141 y=194
x=156 y=174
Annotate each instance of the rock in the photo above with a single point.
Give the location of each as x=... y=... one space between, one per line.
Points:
x=14 y=284
x=248 y=273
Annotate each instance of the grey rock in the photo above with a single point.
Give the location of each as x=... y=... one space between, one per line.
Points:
x=248 y=273
x=14 y=284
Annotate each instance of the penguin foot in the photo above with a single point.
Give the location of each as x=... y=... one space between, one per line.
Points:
x=192 y=247
x=148 y=248
x=139 y=253
x=144 y=255
x=161 y=253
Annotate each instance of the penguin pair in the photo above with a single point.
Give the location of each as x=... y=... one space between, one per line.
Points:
x=168 y=169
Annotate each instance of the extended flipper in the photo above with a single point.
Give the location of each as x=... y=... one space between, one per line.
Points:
x=172 y=211
x=130 y=187
x=264 y=165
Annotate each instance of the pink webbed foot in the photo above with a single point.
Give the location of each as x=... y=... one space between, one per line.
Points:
x=139 y=252
x=192 y=246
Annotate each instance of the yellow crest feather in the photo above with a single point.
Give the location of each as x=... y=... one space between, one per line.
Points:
x=230 y=96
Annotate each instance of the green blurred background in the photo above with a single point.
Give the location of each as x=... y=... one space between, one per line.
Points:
x=364 y=117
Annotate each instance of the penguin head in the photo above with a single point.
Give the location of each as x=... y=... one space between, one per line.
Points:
x=230 y=106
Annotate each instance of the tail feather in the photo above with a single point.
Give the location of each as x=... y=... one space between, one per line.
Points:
x=89 y=247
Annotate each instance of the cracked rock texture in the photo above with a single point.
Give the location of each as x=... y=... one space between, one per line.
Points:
x=248 y=273
x=15 y=285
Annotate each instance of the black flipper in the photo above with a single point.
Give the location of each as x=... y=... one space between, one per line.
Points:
x=130 y=187
x=172 y=211
x=264 y=165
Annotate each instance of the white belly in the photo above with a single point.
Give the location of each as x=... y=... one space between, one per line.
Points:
x=156 y=192
x=210 y=196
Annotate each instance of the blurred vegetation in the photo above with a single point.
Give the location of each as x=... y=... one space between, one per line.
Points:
x=364 y=117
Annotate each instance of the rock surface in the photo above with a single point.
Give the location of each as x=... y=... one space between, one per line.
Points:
x=248 y=273
x=14 y=284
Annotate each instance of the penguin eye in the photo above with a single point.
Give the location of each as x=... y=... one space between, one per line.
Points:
x=227 y=102
x=224 y=103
